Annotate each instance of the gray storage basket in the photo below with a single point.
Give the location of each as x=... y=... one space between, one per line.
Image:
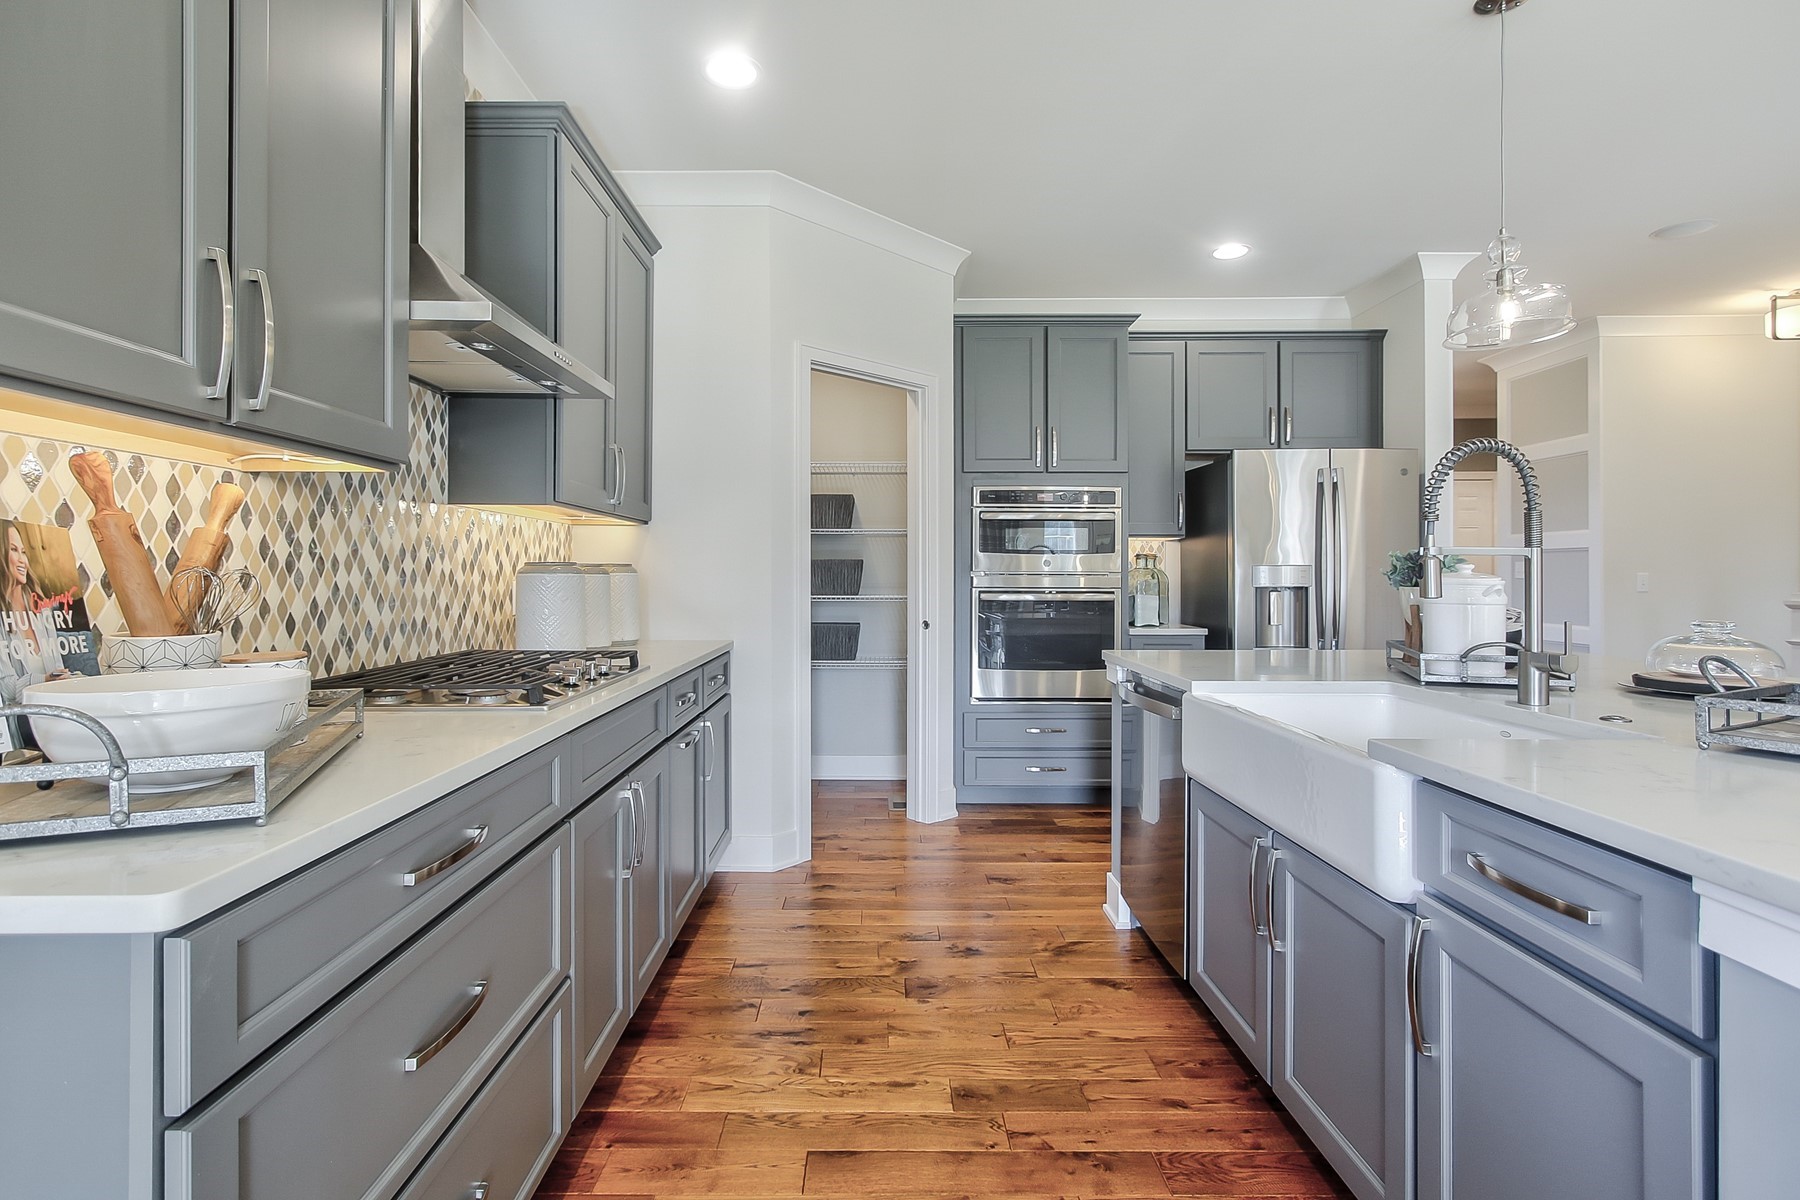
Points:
x=833 y=510
x=835 y=641
x=837 y=576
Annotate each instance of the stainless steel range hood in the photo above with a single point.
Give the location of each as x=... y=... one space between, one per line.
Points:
x=460 y=338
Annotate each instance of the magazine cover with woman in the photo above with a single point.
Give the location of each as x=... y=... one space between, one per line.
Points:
x=44 y=630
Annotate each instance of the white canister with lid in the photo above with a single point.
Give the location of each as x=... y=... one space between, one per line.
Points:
x=1471 y=611
x=551 y=611
x=624 y=604
x=597 y=588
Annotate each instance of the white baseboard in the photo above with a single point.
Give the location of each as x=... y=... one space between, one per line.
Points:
x=763 y=852
x=1115 y=908
x=859 y=766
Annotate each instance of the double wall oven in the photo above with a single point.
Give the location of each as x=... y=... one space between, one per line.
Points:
x=1046 y=587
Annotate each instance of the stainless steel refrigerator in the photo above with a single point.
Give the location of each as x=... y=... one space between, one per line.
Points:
x=1287 y=548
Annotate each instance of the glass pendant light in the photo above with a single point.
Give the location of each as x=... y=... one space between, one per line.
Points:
x=1510 y=312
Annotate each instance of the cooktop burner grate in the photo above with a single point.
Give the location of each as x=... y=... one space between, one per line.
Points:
x=488 y=678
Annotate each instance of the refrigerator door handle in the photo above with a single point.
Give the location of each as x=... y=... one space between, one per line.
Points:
x=1323 y=577
x=1340 y=561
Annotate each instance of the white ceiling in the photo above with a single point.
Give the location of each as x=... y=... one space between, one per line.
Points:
x=1100 y=149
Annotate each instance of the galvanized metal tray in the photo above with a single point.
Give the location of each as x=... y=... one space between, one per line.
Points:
x=45 y=799
x=1454 y=669
x=1764 y=718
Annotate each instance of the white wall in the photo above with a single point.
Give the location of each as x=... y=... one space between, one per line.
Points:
x=490 y=75
x=1412 y=303
x=1701 y=438
x=743 y=286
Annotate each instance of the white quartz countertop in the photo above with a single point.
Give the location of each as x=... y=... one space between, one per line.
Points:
x=152 y=880
x=1725 y=817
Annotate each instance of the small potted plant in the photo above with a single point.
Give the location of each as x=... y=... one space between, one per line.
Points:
x=1405 y=571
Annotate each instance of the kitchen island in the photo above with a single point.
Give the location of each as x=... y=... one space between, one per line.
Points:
x=406 y=980
x=1721 y=824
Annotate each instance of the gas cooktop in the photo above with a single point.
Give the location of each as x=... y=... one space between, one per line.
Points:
x=497 y=679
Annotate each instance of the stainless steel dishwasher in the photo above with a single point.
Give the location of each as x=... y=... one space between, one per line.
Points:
x=1151 y=791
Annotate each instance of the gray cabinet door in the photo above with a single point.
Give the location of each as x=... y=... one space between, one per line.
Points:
x=584 y=290
x=320 y=130
x=582 y=472
x=1535 y=1085
x=117 y=152
x=1001 y=396
x=1229 y=967
x=602 y=909
x=1231 y=394
x=1086 y=405
x=1156 y=386
x=1331 y=393
x=1340 y=1058
x=716 y=777
x=649 y=885
x=687 y=755
x=633 y=309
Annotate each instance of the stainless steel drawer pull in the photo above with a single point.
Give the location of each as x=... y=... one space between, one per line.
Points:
x=716 y=681
x=1045 y=729
x=1586 y=916
x=689 y=742
x=1046 y=770
x=435 y=1047
x=685 y=699
x=227 y=323
x=476 y=836
x=1256 y=920
x=1413 y=957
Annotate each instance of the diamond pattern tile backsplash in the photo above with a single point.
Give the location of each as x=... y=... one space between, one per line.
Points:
x=357 y=569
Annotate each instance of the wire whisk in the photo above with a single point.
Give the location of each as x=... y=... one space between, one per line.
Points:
x=210 y=600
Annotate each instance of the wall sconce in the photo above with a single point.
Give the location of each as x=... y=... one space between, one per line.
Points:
x=1783 y=321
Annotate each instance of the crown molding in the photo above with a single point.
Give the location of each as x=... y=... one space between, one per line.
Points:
x=1709 y=325
x=1188 y=311
x=784 y=193
x=1427 y=266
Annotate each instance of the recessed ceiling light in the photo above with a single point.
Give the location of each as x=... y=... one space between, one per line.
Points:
x=1684 y=229
x=1231 y=250
x=732 y=69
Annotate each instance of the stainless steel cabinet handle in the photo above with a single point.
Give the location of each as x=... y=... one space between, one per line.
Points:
x=1046 y=770
x=617 y=496
x=710 y=743
x=624 y=473
x=1151 y=705
x=1055 y=447
x=685 y=699
x=1045 y=729
x=1287 y=424
x=479 y=1191
x=1479 y=865
x=637 y=793
x=689 y=742
x=1272 y=440
x=476 y=836
x=260 y=400
x=227 y=322
x=1413 y=958
x=631 y=807
x=433 y=1048
x=1275 y=942
x=1256 y=921
x=1037 y=445
x=1181 y=510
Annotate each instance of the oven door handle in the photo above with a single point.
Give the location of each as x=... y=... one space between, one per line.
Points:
x=1050 y=595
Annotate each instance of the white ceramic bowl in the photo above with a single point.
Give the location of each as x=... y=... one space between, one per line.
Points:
x=160 y=713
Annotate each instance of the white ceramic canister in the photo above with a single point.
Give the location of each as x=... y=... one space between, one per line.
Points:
x=552 y=607
x=624 y=604
x=597 y=586
x=1472 y=610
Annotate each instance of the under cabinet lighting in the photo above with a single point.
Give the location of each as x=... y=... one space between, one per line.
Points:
x=277 y=461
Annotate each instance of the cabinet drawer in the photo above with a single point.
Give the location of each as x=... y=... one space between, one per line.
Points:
x=715 y=680
x=685 y=698
x=237 y=983
x=604 y=747
x=1164 y=641
x=1059 y=768
x=1028 y=733
x=509 y=1133
x=1628 y=926
x=335 y=1112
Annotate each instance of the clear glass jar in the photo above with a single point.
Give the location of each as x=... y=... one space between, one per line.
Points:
x=1681 y=654
x=1146 y=593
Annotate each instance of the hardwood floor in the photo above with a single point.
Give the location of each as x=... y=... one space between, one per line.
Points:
x=927 y=1010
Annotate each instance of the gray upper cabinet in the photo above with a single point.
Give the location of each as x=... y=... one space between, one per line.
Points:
x=1035 y=396
x=220 y=165
x=1312 y=391
x=552 y=236
x=320 y=206
x=1156 y=382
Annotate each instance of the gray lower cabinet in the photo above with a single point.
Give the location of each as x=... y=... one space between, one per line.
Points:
x=715 y=808
x=687 y=854
x=223 y=163
x=1015 y=753
x=1228 y=962
x=1155 y=491
x=1310 y=391
x=1340 y=1060
x=351 y=1106
x=605 y=846
x=1536 y=1085
x=647 y=889
x=1036 y=396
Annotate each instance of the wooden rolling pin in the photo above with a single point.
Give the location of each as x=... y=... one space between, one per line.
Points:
x=206 y=545
x=127 y=560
